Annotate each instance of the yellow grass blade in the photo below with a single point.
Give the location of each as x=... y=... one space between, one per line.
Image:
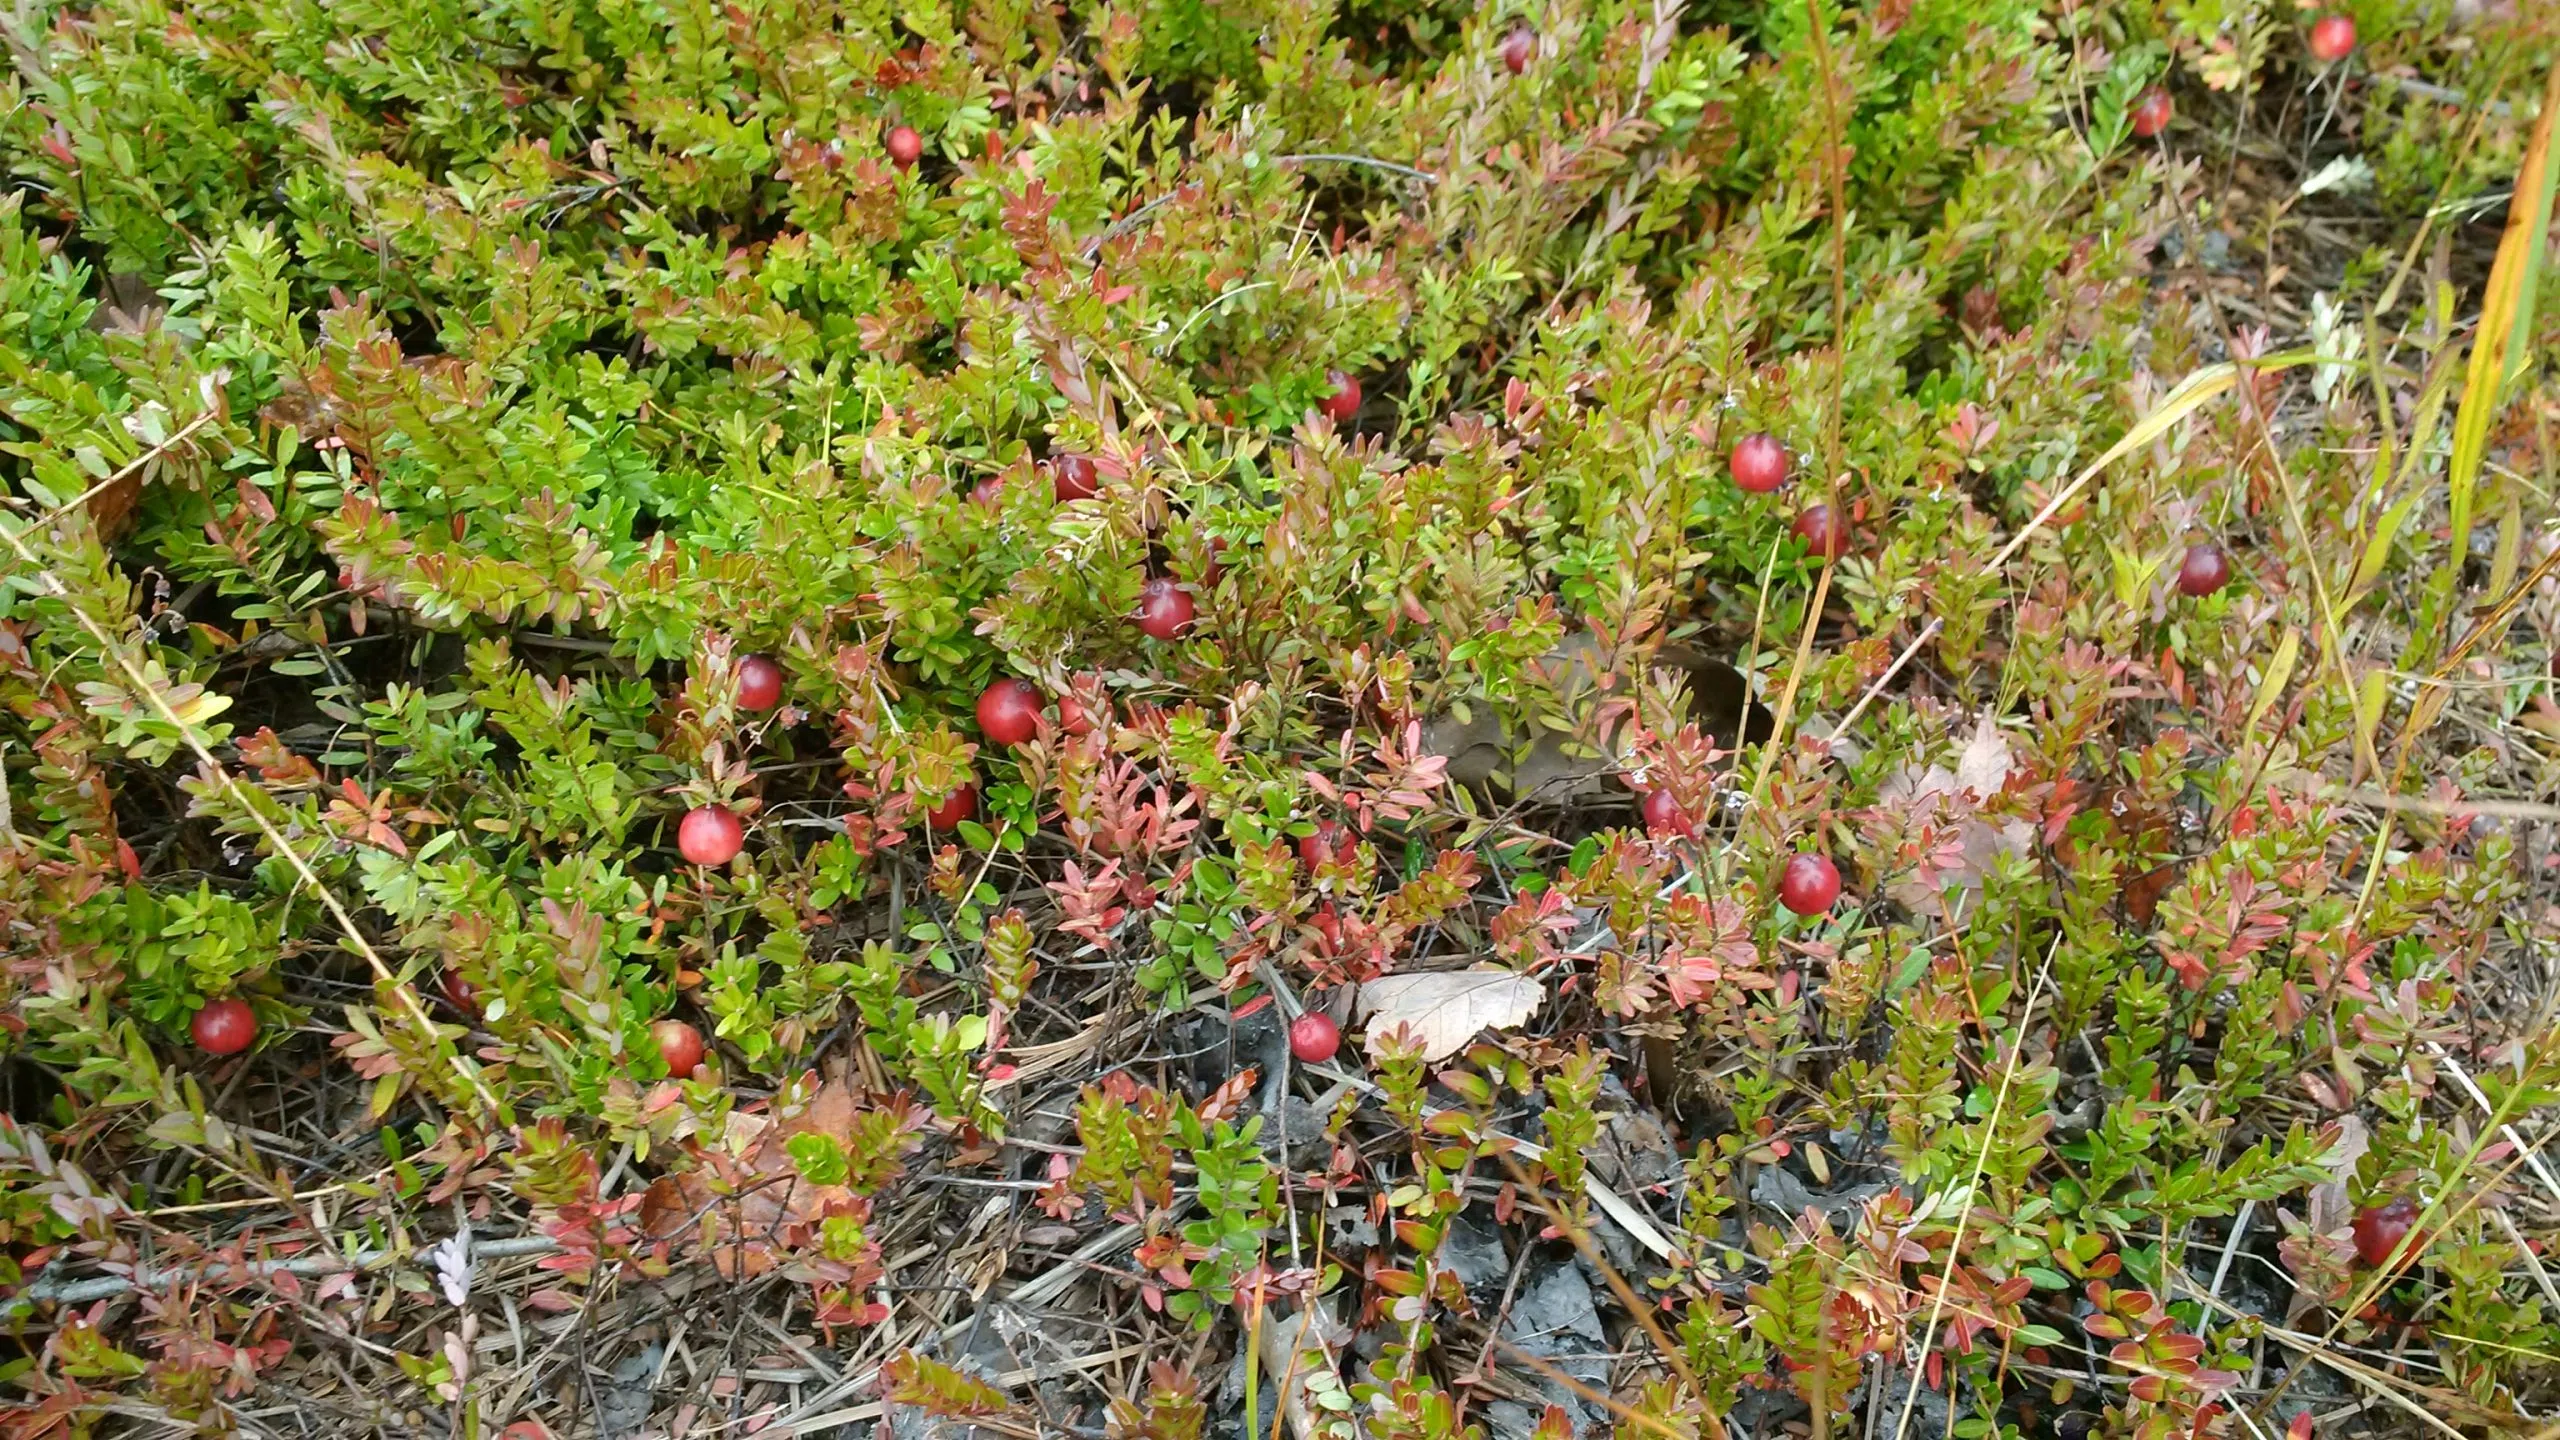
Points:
x=2506 y=319
x=2279 y=670
x=2181 y=402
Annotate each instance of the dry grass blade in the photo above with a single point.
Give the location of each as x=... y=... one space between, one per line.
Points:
x=1973 y=1184
x=1651 y=1424
x=128 y=470
x=2375 y=1382
x=1299 y=1348
x=2506 y=320
x=2190 y=395
x=411 y=1008
x=2181 y=402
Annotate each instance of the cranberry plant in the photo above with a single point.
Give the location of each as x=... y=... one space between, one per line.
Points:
x=673 y=625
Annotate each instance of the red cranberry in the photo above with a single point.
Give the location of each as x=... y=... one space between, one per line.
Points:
x=961 y=804
x=1328 y=927
x=710 y=835
x=1663 y=816
x=988 y=492
x=225 y=1026
x=1824 y=533
x=1519 y=47
x=1809 y=884
x=464 y=995
x=1165 y=609
x=1332 y=841
x=680 y=1045
x=1343 y=405
x=759 y=683
x=2205 y=570
x=1759 y=463
x=2333 y=38
x=2379 y=1229
x=906 y=147
x=1009 y=712
x=1072 y=477
x=2151 y=113
x=1314 y=1038
x=1072 y=715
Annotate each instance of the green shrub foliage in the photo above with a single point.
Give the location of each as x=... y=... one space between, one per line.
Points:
x=417 y=411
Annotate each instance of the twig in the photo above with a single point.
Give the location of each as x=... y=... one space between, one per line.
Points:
x=125 y=471
x=1881 y=681
x=1501 y=1312
x=1422 y=175
x=1642 y=1229
x=2419 y=805
x=50 y=1289
x=1036 y=1291
x=812 y=1424
x=1614 y=1406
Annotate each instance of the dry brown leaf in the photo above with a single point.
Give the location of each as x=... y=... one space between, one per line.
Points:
x=1983 y=769
x=1950 y=798
x=746 y=1197
x=1446 y=1009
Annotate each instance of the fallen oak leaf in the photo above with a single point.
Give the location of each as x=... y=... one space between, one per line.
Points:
x=1444 y=1009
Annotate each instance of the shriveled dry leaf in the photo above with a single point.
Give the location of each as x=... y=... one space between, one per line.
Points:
x=1982 y=770
x=746 y=1200
x=1984 y=766
x=1446 y=1009
x=1949 y=799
